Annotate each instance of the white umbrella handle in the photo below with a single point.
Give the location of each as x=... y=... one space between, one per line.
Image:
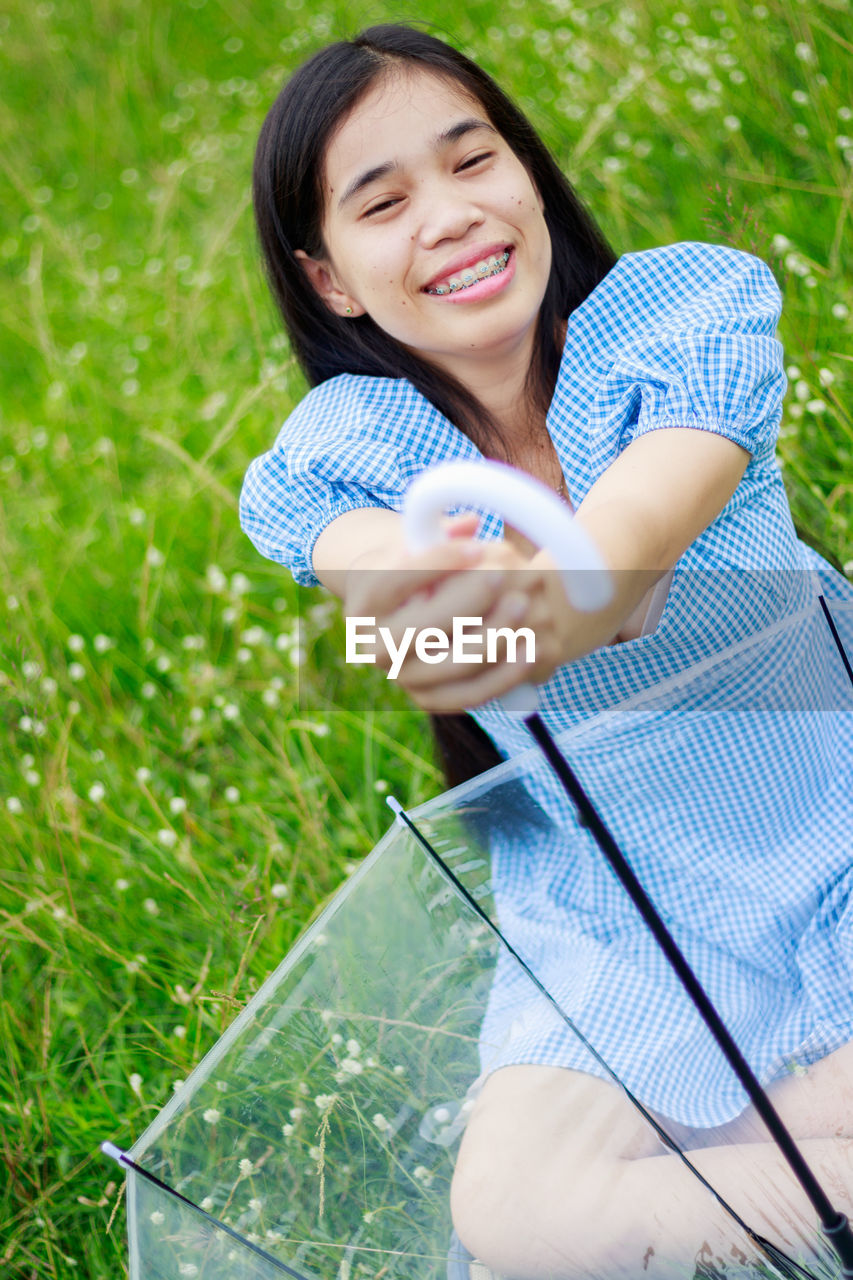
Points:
x=529 y=507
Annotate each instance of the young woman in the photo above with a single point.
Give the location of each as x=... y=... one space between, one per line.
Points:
x=448 y=297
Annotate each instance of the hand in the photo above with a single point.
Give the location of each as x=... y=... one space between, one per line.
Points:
x=462 y=578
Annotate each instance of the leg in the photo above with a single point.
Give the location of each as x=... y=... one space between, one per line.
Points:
x=558 y=1177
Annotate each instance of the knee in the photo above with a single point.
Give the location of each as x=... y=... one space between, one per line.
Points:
x=518 y=1225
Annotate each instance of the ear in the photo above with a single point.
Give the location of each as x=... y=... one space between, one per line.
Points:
x=324 y=282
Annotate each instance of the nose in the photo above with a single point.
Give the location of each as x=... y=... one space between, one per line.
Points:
x=447 y=214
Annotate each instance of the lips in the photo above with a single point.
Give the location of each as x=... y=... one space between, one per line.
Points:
x=467 y=259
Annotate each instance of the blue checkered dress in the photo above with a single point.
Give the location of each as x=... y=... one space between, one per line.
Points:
x=718 y=748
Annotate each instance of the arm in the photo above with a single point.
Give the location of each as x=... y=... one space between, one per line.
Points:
x=643 y=513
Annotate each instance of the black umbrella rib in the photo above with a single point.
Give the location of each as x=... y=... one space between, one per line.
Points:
x=216 y=1222
x=836 y=637
x=834 y=1224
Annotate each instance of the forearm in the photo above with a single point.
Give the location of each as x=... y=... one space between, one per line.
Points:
x=643 y=513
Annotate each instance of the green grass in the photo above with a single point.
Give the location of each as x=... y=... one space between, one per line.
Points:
x=184 y=779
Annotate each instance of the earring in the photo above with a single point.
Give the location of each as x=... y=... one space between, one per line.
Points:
x=349 y=311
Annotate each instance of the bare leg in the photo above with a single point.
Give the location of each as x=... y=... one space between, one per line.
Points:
x=558 y=1177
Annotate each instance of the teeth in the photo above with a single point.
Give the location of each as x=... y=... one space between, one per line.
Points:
x=490 y=266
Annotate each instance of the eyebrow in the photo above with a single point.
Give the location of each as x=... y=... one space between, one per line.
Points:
x=452 y=134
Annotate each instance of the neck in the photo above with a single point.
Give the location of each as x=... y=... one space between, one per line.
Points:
x=499 y=382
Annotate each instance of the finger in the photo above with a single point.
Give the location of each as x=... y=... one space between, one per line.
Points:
x=462 y=695
x=464 y=526
x=454 y=608
x=382 y=591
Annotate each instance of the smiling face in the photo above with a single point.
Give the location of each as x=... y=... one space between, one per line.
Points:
x=432 y=226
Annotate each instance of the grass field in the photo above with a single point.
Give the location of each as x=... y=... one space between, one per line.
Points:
x=187 y=771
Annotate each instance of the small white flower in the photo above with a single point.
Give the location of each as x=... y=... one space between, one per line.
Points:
x=804 y=52
x=167 y=837
x=422 y=1174
x=296 y=1113
x=148 y=690
x=230 y=711
x=154 y=557
x=270 y=698
x=240 y=584
x=324 y=1100
x=367 y=1217
x=381 y=1123
x=177 y=1085
x=840 y=311
x=206 y=1204
x=14 y=805
x=97 y=791
x=135 y=1082
x=177 y=804
x=826 y=377
x=731 y=123
x=188 y=1269
x=30 y=670
x=216 y=580
x=157 y=1218
x=280 y=890
x=76 y=671
x=212 y=1116
x=143 y=775
x=337 y=1039
x=353 y=1048
x=122 y=886
x=255 y=1204
x=180 y=1033
x=246 y=1167
x=351 y=1067
x=816 y=406
x=287 y=1130
x=103 y=643
x=231 y=795
x=399 y=1069
x=315 y=1153
x=76 y=643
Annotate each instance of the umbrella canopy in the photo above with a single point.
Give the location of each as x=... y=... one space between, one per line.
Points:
x=319 y=1137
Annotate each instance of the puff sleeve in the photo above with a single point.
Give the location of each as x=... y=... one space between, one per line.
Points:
x=705 y=354
x=352 y=442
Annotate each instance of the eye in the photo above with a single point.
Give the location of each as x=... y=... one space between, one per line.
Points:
x=381 y=207
x=474 y=160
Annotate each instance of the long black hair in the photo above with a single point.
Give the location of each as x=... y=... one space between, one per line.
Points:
x=289 y=209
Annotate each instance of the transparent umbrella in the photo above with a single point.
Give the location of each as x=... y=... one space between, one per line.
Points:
x=321 y=1135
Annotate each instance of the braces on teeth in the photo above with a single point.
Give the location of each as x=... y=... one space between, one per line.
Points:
x=472 y=275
